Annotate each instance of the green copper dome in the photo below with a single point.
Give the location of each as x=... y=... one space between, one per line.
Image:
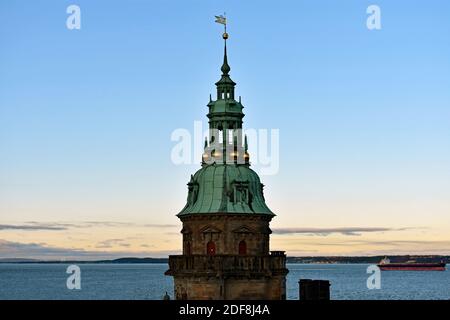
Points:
x=225 y=188
x=226 y=107
x=225 y=184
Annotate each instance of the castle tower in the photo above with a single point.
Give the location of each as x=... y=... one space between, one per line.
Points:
x=226 y=220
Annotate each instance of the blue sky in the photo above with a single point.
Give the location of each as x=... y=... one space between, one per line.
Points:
x=364 y=116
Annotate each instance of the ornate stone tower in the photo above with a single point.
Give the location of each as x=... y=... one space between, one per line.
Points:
x=226 y=221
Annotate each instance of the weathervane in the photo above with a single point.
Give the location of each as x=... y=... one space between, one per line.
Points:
x=223 y=20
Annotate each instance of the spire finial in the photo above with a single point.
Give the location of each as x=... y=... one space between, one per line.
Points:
x=223 y=20
x=225 y=66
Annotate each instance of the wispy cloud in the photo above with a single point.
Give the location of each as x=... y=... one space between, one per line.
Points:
x=42 y=251
x=348 y=231
x=360 y=246
x=10 y=249
x=33 y=227
x=61 y=226
x=111 y=243
x=396 y=243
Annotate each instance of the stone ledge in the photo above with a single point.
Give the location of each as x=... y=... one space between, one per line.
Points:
x=227 y=265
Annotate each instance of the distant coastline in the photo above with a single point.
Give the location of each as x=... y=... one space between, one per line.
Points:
x=310 y=259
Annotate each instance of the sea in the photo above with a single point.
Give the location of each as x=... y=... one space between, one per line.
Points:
x=25 y=281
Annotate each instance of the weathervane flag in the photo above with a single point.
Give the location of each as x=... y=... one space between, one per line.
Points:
x=221 y=19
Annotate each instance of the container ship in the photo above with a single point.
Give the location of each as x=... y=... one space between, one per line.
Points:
x=386 y=265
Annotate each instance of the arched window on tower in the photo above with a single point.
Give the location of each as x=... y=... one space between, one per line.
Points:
x=242 y=248
x=210 y=248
